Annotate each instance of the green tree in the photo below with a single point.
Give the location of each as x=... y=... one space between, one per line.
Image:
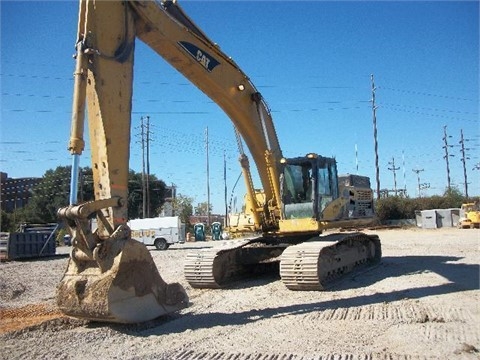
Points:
x=85 y=186
x=453 y=198
x=53 y=191
x=49 y=195
x=7 y=223
x=135 y=195
x=11 y=220
x=394 y=207
x=182 y=205
x=203 y=209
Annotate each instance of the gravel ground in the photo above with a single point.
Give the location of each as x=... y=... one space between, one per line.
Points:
x=421 y=302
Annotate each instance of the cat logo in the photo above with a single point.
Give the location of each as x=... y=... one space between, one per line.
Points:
x=203 y=58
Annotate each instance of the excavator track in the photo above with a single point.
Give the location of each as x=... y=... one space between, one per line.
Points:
x=313 y=265
x=218 y=266
x=310 y=265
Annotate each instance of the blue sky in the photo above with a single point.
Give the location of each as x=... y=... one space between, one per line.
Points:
x=312 y=62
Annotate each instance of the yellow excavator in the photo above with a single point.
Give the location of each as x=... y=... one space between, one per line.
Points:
x=469 y=215
x=111 y=277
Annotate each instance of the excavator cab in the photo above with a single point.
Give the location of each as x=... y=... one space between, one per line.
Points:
x=308 y=184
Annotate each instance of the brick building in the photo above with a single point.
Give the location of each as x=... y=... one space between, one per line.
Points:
x=15 y=193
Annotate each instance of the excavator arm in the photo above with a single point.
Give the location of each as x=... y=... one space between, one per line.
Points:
x=111 y=277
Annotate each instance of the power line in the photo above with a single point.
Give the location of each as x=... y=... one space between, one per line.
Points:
x=430 y=109
x=414 y=92
x=430 y=115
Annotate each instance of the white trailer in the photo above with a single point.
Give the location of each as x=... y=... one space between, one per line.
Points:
x=160 y=232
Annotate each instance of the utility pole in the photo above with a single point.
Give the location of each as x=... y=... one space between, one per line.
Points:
x=446 y=156
x=404 y=174
x=462 y=144
x=145 y=133
x=374 y=110
x=147 y=187
x=418 y=171
x=394 y=169
x=144 y=193
x=174 y=198
x=356 y=158
x=208 y=179
x=225 y=187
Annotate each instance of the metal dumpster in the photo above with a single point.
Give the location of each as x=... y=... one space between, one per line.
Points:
x=26 y=245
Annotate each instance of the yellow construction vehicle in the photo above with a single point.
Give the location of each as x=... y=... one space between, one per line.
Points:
x=111 y=277
x=469 y=215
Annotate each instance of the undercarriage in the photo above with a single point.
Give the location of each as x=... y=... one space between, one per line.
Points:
x=308 y=265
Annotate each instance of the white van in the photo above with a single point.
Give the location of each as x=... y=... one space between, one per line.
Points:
x=160 y=232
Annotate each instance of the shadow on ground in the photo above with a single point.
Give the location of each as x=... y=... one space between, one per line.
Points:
x=461 y=277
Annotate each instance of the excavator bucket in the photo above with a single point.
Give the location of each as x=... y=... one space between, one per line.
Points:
x=121 y=284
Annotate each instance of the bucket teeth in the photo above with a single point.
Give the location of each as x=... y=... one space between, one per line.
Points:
x=130 y=290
